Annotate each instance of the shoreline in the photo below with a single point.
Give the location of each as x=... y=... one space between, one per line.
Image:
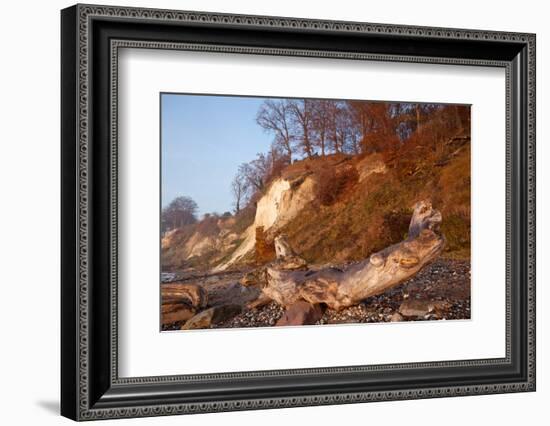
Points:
x=440 y=291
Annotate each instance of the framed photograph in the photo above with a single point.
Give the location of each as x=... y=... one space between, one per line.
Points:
x=263 y=212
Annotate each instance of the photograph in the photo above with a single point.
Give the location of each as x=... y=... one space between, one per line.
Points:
x=294 y=211
x=272 y=208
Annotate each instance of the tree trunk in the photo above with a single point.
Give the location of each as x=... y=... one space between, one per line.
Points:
x=339 y=289
x=288 y=148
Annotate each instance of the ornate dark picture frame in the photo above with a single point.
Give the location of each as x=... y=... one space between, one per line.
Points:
x=90 y=385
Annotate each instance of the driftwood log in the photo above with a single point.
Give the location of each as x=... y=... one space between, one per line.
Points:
x=341 y=288
x=191 y=294
x=181 y=302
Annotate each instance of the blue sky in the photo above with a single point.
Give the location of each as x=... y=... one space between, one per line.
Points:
x=204 y=140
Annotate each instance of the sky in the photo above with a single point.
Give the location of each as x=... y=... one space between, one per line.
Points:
x=204 y=139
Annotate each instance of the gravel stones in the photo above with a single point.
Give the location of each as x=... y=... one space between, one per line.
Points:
x=440 y=291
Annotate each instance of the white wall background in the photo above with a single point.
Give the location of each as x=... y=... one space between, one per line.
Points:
x=29 y=213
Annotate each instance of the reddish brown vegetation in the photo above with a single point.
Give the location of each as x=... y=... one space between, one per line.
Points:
x=333 y=183
x=373 y=162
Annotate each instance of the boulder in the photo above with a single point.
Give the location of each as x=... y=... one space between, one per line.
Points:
x=396 y=317
x=215 y=315
x=420 y=307
x=262 y=300
x=301 y=313
x=201 y=320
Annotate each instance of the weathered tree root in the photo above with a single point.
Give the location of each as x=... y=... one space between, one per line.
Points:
x=339 y=289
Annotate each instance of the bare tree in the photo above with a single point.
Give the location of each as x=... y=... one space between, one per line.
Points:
x=382 y=134
x=320 y=111
x=306 y=126
x=252 y=177
x=255 y=172
x=338 y=130
x=240 y=190
x=302 y=120
x=180 y=212
x=360 y=118
x=274 y=116
x=276 y=160
x=352 y=142
x=409 y=117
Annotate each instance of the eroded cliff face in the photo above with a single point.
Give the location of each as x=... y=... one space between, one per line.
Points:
x=223 y=247
x=194 y=242
x=168 y=239
x=368 y=209
x=282 y=202
x=199 y=245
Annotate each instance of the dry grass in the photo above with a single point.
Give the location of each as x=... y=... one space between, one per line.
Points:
x=374 y=213
x=355 y=215
x=333 y=183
